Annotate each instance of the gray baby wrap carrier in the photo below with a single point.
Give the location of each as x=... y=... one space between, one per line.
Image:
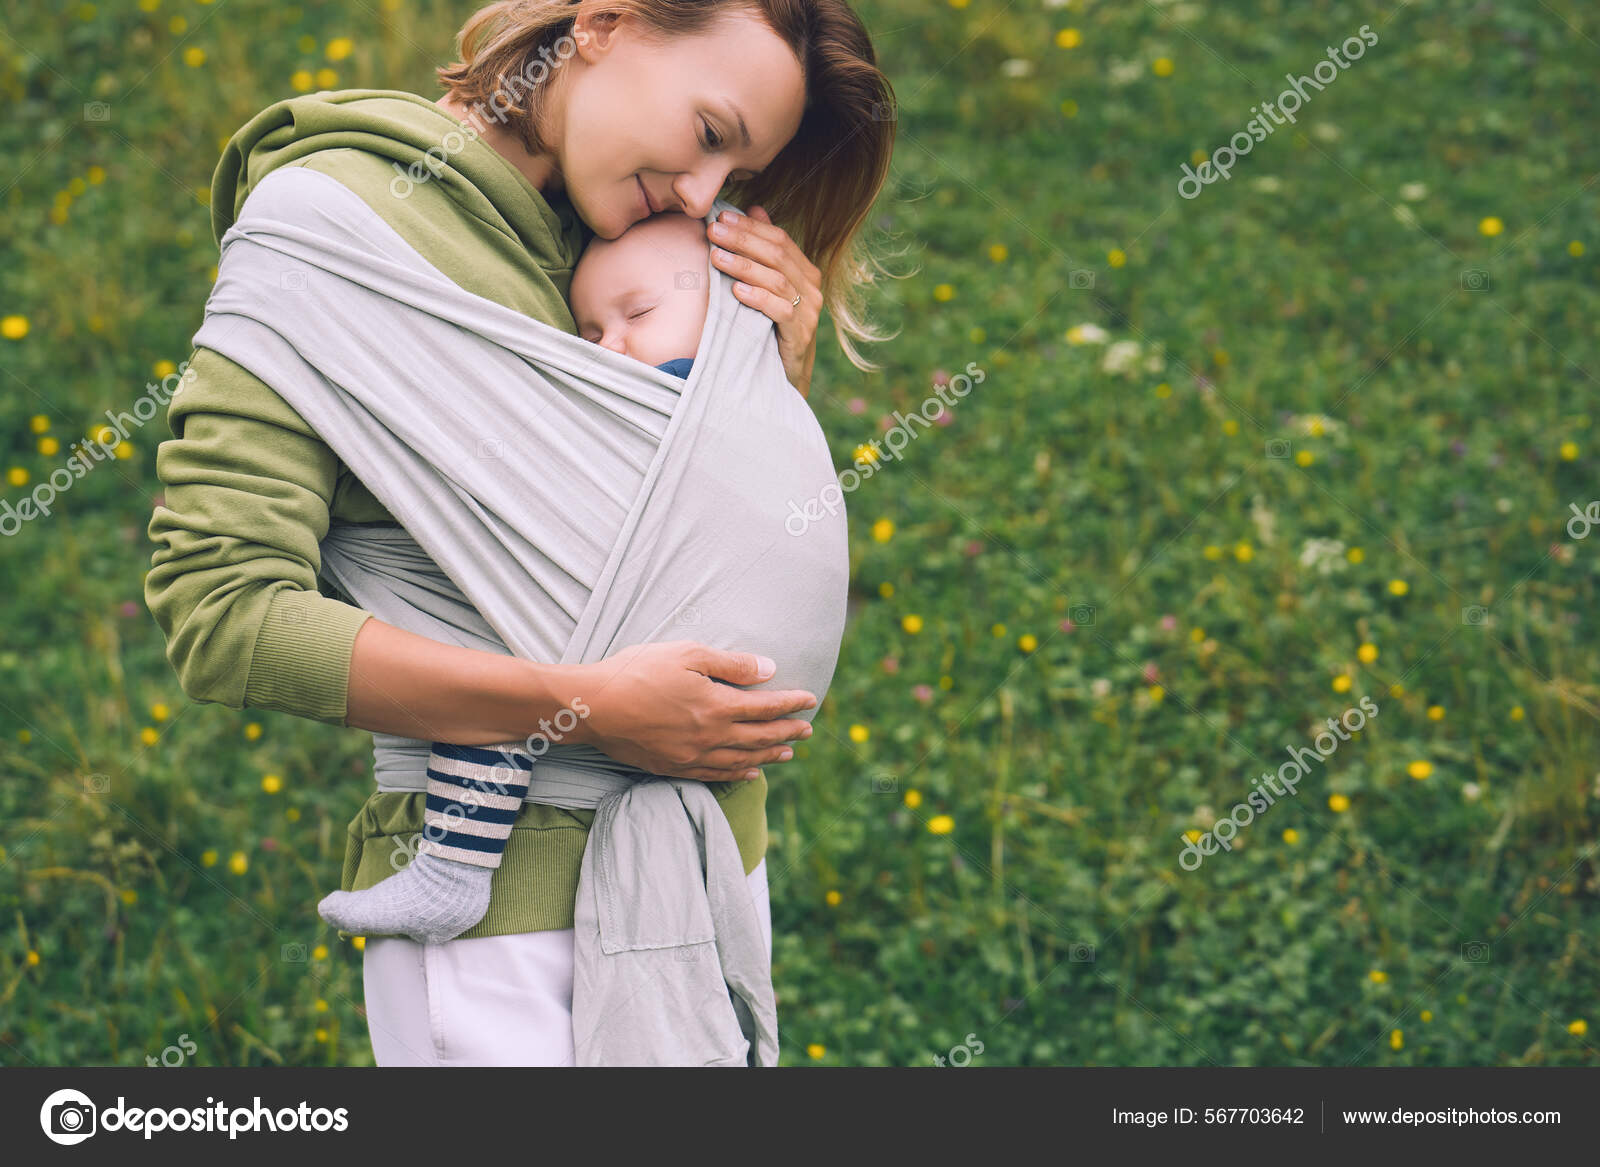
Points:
x=559 y=502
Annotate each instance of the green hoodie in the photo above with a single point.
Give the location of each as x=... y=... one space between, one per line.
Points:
x=250 y=490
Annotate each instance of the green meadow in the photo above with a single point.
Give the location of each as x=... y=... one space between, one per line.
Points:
x=1316 y=443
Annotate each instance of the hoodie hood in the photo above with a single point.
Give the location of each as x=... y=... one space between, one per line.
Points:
x=401 y=128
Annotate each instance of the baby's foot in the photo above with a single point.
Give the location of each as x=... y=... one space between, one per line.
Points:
x=432 y=900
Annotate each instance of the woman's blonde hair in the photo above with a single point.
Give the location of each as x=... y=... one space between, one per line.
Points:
x=819 y=188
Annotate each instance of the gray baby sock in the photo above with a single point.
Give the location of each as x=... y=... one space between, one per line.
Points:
x=432 y=900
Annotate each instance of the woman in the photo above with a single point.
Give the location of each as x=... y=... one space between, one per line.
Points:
x=587 y=117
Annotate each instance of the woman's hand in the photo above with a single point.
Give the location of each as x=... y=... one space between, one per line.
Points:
x=773 y=268
x=656 y=706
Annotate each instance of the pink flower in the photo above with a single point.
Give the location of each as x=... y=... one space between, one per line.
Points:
x=1168 y=622
x=1151 y=673
x=945 y=417
x=891 y=664
x=940 y=378
x=923 y=693
x=857 y=405
x=1066 y=625
x=886 y=423
x=129 y=608
x=974 y=548
x=269 y=844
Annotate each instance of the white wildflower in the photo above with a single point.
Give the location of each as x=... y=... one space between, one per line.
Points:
x=1413 y=192
x=1087 y=334
x=1120 y=357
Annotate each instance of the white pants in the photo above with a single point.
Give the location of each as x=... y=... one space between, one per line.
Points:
x=488 y=1001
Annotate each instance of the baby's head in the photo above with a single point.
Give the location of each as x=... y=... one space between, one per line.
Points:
x=643 y=294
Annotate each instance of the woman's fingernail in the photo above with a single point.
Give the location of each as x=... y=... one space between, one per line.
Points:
x=786 y=755
x=765 y=666
x=808 y=731
x=718 y=231
x=752 y=775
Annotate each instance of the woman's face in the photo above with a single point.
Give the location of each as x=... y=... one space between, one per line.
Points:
x=642 y=120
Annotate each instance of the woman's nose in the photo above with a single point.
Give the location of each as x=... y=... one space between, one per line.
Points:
x=697 y=191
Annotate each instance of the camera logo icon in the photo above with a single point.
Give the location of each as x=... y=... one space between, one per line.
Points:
x=96 y=111
x=68 y=1117
x=1277 y=448
x=292 y=281
x=1081 y=279
x=1474 y=280
x=1082 y=614
x=686 y=281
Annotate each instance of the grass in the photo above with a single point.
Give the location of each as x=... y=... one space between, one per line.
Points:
x=1137 y=566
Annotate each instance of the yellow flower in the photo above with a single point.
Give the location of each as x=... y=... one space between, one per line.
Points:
x=1156 y=693
x=1069 y=38
x=1163 y=391
x=359 y=943
x=178 y=25
x=1367 y=653
x=208 y=859
x=814 y=1050
x=14 y=327
x=998 y=252
x=947 y=682
x=238 y=863
x=1231 y=428
x=912 y=624
x=321 y=1006
x=252 y=731
x=886 y=589
x=1575 y=248
x=164 y=368
x=883 y=530
x=1578 y=1028
x=1338 y=803
x=129 y=896
x=123 y=450
x=1116 y=257
x=194 y=56
x=1516 y=713
x=1291 y=836
x=96 y=175
x=1315 y=427
x=1425 y=1016
x=977 y=335
x=1397 y=1039
x=301 y=81
x=24 y=736
x=833 y=898
x=1069 y=107
x=859 y=733
x=913 y=798
x=1491 y=226
x=1398 y=587
x=1355 y=555
x=271 y=783
x=159 y=711
x=321 y=1034
x=38 y=423
x=149 y=736
x=1197 y=635
x=1397 y=690
x=1243 y=552
x=1569 y=451
x=320 y=952
x=339 y=48
x=33 y=958
x=48 y=446
x=1420 y=769
x=1027 y=642
x=1162 y=66
x=1377 y=976
x=1436 y=713
x=1212 y=551
x=997 y=629
x=944 y=293
x=866 y=453
x=941 y=824
x=17 y=476
x=1304 y=457
x=327 y=78
x=1341 y=684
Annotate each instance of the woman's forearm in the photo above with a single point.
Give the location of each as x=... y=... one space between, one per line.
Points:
x=406 y=684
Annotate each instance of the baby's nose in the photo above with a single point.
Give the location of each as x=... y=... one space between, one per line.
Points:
x=613 y=340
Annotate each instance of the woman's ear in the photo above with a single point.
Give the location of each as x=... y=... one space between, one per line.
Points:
x=595 y=33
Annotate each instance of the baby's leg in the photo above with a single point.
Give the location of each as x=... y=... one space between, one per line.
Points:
x=474 y=795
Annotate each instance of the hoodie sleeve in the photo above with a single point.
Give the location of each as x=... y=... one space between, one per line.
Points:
x=233 y=581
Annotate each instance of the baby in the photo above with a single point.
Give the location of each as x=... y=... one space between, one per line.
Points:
x=644 y=295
